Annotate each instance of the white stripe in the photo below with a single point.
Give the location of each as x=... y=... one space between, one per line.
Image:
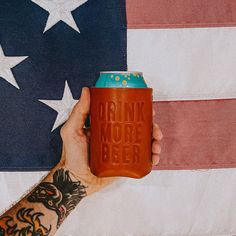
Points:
x=185 y=64
x=172 y=203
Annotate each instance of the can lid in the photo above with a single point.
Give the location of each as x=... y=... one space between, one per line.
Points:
x=122 y=72
x=121 y=79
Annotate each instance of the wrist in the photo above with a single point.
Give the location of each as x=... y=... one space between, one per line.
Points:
x=91 y=182
x=86 y=178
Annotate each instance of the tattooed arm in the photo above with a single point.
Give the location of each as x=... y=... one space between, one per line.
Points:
x=43 y=210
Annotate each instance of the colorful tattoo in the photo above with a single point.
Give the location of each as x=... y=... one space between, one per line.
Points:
x=33 y=226
x=60 y=196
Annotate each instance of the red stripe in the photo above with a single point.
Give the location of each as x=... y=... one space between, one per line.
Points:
x=197 y=134
x=180 y=13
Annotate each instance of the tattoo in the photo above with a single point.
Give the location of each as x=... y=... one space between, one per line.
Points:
x=60 y=196
x=33 y=226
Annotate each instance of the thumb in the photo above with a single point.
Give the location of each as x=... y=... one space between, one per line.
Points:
x=79 y=113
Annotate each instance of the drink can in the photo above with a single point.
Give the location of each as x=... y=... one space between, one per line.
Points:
x=121 y=125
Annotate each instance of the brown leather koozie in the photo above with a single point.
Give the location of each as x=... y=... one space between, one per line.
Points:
x=121 y=132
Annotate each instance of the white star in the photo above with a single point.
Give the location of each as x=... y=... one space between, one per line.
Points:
x=60 y=10
x=6 y=64
x=63 y=107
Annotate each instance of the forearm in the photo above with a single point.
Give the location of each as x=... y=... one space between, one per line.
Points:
x=47 y=205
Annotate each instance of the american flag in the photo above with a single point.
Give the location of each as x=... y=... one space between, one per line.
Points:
x=186 y=49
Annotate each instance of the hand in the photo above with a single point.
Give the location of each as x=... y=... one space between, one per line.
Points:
x=76 y=144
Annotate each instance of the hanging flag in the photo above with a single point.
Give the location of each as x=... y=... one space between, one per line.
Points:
x=186 y=49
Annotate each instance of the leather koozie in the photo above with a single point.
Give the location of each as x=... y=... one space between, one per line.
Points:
x=121 y=132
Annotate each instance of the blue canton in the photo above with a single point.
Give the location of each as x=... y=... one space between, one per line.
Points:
x=49 y=50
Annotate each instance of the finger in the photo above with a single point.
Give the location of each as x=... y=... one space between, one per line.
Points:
x=88 y=132
x=80 y=112
x=155 y=159
x=63 y=155
x=157 y=134
x=156 y=147
x=153 y=112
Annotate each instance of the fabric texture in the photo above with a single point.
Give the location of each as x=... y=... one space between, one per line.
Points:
x=185 y=64
x=199 y=134
x=180 y=13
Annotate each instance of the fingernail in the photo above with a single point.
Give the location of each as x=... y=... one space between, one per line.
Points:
x=84 y=88
x=158 y=161
x=156 y=125
x=82 y=91
x=161 y=134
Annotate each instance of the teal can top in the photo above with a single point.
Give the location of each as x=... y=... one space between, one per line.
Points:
x=121 y=79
